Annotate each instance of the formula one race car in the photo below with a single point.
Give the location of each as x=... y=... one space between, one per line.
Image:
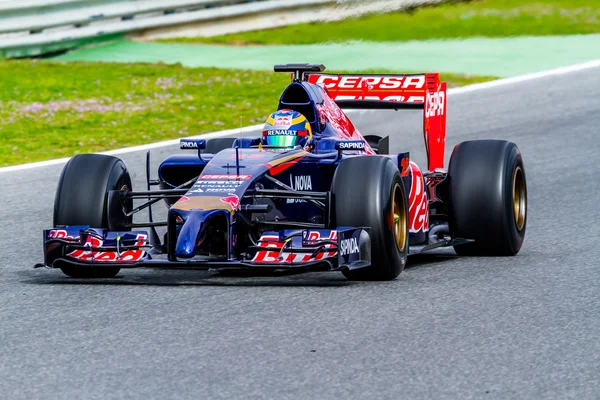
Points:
x=309 y=194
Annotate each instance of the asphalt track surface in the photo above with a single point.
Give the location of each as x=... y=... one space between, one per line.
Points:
x=449 y=327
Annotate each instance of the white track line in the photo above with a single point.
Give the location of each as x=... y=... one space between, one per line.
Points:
x=464 y=89
x=125 y=150
x=527 y=77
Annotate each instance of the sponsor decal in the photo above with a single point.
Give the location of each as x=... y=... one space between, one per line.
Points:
x=300 y=183
x=435 y=102
x=374 y=83
x=286 y=132
x=404 y=166
x=208 y=184
x=354 y=145
x=196 y=144
x=315 y=236
x=216 y=183
x=404 y=99
x=233 y=200
x=225 y=177
x=283 y=121
x=60 y=234
x=107 y=256
x=183 y=199
x=216 y=186
x=417 y=200
x=265 y=256
x=349 y=246
x=273 y=249
x=219 y=190
x=188 y=145
x=271 y=242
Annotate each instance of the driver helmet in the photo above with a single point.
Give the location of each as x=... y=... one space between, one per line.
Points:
x=286 y=129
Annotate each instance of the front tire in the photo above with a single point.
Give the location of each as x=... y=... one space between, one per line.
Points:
x=488 y=197
x=368 y=192
x=81 y=199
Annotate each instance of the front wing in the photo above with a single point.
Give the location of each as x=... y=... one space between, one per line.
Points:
x=345 y=248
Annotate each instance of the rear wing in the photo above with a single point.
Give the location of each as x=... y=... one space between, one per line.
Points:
x=395 y=92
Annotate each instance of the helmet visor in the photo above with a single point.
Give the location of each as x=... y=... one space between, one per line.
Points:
x=288 y=140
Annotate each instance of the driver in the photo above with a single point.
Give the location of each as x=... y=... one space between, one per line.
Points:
x=286 y=129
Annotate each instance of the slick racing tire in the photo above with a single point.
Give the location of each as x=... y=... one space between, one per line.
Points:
x=81 y=199
x=213 y=146
x=488 y=197
x=368 y=192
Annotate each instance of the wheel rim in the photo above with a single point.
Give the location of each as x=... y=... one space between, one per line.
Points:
x=399 y=218
x=519 y=198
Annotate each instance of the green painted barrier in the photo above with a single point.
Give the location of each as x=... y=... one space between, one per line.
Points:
x=502 y=57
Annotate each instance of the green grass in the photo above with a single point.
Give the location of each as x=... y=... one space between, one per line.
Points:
x=52 y=109
x=485 y=18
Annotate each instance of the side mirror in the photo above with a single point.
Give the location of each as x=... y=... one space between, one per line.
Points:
x=350 y=145
x=192 y=144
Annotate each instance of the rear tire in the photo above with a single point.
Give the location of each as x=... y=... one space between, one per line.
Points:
x=81 y=199
x=368 y=192
x=488 y=197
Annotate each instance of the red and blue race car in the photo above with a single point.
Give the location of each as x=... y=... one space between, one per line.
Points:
x=340 y=202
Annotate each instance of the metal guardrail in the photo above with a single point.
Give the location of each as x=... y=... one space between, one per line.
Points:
x=35 y=27
x=73 y=12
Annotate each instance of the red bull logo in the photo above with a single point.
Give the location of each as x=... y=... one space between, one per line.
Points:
x=94 y=242
x=418 y=202
x=233 y=200
x=283 y=121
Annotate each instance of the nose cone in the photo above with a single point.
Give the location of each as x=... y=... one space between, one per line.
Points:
x=189 y=235
x=196 y=222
